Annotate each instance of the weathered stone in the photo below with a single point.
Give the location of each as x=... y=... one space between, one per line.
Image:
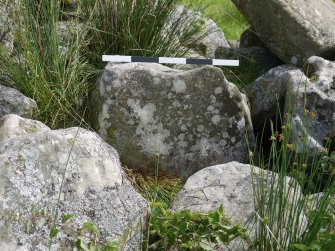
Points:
x=312 y=102
x=309 y=97
x=14 y=102
x=293 y=30
x=190 y=119
x=95 y=190
x=7 y=21
x=13 y=126
x=207 y=39
x=231 y=185
x=269 y=91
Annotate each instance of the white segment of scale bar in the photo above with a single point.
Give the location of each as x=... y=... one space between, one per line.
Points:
x=126 y=59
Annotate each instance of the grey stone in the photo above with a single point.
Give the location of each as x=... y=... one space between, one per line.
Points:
x=293 y=30
x=14 y=102
x=268 y=91
x=189 y=119
x=308 y=96
x=14 y=126
x=95 y=189
x=311 y=98
x=208 y=38
x=231 y=185
x=7 y=23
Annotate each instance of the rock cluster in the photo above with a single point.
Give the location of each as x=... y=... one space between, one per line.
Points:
x=194 y=122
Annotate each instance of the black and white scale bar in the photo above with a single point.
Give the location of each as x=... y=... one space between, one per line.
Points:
x=169 y=60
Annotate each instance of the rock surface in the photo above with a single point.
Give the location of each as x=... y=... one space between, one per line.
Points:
x=293 y=30
x=309 y=96
x=209 y=37
x=13 y=126
x=7 y=21
x=268 y=91
x=95 y=190
x=190 y=119
x=312 y=101
x=14 y=102
x=231 y=185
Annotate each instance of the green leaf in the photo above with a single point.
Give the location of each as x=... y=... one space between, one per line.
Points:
x=114 y=245
x=33 y=210
x=300 y=247
x=53 y=232
x=231 y=230
x=90 y=226
x=66 y=217
x=81 y=245
x=28 y=226
x=223 y=238
x=43 y=212
x=221 y=209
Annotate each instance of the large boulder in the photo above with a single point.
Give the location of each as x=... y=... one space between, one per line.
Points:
x=268 y=92
x=293 y=30
x=312 y=102
x=308 y=96
x=72 y=167
x=207 y=35
x=189 y=119
x=232 y=185
x=14 y=102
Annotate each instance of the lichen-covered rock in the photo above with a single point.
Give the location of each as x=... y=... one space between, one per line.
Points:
x=308 y=96
x=7 y=23
x=208 y=36
x=268 y=91
x=311 y=98
x=231 y=185
x=13 y=126
x=293 y=30
x=14 y=102
x=190 y=119
x=95 y=190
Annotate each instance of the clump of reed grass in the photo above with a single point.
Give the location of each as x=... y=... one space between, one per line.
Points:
x=57 y=79
x=58 y=74
x=138 y=28
x=279 y=224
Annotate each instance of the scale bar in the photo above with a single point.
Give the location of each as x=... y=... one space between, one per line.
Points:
x=169 y=60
